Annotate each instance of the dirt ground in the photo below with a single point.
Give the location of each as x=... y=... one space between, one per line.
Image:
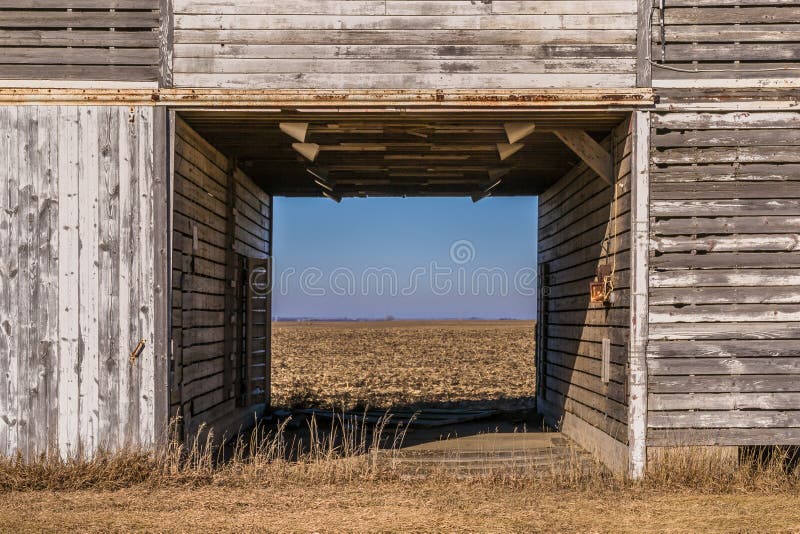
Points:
x=395 y=506
x=383 y=364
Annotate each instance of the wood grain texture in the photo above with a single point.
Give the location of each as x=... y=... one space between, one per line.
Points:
x=382 y=44
x=724 y=321
x=78 y=176
x=221 y=220
x=112 y=40
x=579 y=216
x=711 y=44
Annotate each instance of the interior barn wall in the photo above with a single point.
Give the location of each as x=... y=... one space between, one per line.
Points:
x=576 y=216
x=724 y=349
x=204 y=385
x=78 y=193
x=112 y=40
x=404 y=44
x=732 y=43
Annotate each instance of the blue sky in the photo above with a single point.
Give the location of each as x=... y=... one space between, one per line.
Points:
x=412 y=258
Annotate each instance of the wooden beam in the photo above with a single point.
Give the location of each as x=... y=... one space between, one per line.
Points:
x=506 y=150
x=517 y=131
x=590 y=151
x=296 y=130
x=310 y=151
x=122 y=94
x=163 y=144
x=639 y=295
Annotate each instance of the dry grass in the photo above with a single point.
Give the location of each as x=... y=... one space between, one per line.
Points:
x=328 y=491
x=391 y=506
x=382 y=364
x=333 y=483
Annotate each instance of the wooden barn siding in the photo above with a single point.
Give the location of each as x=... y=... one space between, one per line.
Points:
x=78 y=275
x=724 y=349
x=404 y=44
x=201 y=179
x=736 y=42
x=116 y=40
x=575 y=216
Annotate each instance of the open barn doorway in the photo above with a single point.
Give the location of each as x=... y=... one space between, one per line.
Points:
x=230 y=164
x=407 y=307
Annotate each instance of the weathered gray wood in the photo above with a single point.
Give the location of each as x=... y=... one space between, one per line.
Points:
x=724 y=401
x=760 y=419
x=576 y=215
x=724 y=316
x=88 y=279
x=722 y=331
x=404 y=44
x=723 y=384
x=219 y=212
x=644 y=70
x=166 y=44
x=724 y=295
x=744 y=260
x=231 y=304
x=750 y=43
x=111 y=354
x=52 y=49
x=71 y=169
x=723 y=366
x=724 y=349
x=162 y=184
x=723 y=436
x=639 y=295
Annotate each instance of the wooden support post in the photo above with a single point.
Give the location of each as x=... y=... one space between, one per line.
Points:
x=162 y=257
x=230 y=281
x=590 y=151
x=637 y=352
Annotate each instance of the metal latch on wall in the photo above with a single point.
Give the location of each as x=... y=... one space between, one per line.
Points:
x=138 y=350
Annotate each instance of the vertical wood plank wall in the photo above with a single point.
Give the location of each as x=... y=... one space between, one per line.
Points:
x=724 y=350
x=77 y=273
x=721 y=44
x=404 y=44
x=114 y=40
x=201 y=182
x=576 y=216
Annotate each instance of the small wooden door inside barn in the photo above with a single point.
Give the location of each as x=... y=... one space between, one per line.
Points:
x=253 y=369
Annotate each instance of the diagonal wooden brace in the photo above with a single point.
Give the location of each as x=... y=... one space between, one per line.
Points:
x=590 y=151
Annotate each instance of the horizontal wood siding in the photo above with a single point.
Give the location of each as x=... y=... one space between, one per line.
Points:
x=724 y=350
x=77 y=272
x=203 y=388
x=741 y=42
x=112 y=40
x=578 y=218
x=404 y=44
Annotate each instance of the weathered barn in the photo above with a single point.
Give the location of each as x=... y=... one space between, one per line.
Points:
x=141 y=142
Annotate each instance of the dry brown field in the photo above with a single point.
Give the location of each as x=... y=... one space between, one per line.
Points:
x=398 y=363
x=381 y=365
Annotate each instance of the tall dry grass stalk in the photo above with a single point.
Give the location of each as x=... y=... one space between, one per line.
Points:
x=347 y=450
x=724 y=468
x=344 y=451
